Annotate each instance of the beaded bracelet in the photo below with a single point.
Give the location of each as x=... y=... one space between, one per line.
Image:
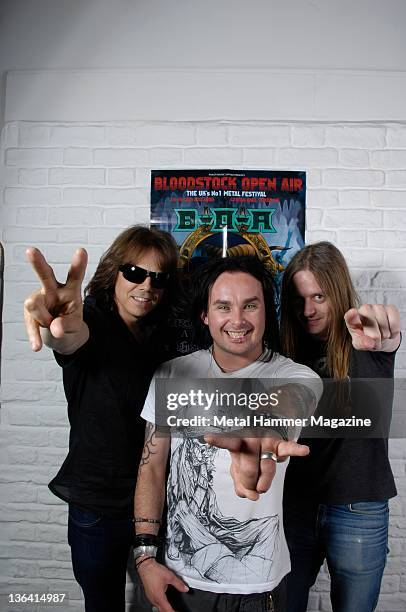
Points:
x=139 y=519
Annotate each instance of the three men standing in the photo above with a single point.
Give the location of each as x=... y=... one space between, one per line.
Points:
x=230 y=551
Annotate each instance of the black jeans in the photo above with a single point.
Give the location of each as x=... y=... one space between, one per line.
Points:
x=100 y=549
x=205 y=601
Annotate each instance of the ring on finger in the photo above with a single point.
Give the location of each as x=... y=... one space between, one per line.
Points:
x=269 y=455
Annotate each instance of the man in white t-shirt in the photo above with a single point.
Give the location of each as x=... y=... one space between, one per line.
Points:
x=223 y=552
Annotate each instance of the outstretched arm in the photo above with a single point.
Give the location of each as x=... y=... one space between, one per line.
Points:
x=148 y=505
x=54 y=313
x=251 y=471
x=374 y=327
x=251 y=474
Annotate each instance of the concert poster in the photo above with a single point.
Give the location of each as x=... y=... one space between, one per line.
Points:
x=224 y=213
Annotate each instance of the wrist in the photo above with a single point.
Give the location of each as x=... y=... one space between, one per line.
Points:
x=274 y=424
x=142 y=562
x=68 y=343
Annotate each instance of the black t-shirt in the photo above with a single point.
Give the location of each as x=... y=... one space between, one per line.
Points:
x=105 y=382
x=340 y=470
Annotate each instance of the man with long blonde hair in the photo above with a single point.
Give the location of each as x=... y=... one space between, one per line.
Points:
x=336 y=499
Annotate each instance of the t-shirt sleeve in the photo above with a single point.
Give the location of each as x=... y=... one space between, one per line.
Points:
x=304 y=388
x=383 y=364
x=302 y=375
x=148 y=411
x=66 y=360
x=372 y=364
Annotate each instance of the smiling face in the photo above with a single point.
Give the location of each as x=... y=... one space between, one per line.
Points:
x=311 y=305
x=135 y=300
x=236 y=319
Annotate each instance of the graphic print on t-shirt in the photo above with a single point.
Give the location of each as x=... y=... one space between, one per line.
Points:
x=203 y=541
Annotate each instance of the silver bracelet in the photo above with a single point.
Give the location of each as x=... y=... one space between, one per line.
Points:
x=151 y=551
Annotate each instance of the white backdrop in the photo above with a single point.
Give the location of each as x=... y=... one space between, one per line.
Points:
x=94 y=94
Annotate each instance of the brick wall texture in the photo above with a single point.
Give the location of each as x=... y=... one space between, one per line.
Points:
x=70 y=185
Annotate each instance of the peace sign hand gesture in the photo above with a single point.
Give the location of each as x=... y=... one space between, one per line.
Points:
x=56 y=307
x=374 y=327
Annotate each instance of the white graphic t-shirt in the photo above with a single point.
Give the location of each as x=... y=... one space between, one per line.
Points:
x=217 y=541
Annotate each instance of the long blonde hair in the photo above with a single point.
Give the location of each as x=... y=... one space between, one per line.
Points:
x=331 y=272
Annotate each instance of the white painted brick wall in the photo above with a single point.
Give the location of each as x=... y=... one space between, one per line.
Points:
x=65 y=185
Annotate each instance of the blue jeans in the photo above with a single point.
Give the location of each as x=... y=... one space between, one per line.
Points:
x=100 y=549
x=352 y=538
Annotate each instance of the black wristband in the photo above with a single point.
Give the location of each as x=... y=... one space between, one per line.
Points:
x=146 y=539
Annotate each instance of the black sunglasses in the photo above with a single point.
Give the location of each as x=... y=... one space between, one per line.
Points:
x=134 y=274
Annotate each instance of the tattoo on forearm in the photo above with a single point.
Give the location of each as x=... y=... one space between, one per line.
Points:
x=149 y=444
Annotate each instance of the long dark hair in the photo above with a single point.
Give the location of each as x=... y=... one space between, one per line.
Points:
x=135 y=241
x=331 y=272
x=204 y=279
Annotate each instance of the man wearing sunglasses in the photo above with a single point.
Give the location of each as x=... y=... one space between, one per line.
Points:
x=108 y=347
